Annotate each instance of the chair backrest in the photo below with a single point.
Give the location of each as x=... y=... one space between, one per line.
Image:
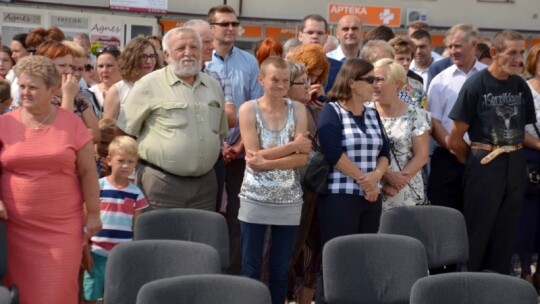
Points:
x=131 y=265
x=472 y=287
x=442 y=230
x=5 y=296
x=192 y=225
x=206 y=288
x=372 y=268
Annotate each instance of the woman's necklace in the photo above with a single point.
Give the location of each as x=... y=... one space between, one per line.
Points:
x=38 y=126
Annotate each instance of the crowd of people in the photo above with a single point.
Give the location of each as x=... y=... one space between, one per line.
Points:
x=90 y=140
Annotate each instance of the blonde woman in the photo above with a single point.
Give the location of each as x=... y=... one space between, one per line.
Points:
x=407 y=127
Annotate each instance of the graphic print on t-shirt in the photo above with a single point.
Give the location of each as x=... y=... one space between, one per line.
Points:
x=505 y=119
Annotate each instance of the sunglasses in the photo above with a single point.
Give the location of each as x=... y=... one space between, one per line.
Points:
x=226 y=24
x=109 y=49
x=370 y=79
x=88 y=67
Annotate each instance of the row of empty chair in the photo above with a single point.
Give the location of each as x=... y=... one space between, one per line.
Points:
x=389 y=267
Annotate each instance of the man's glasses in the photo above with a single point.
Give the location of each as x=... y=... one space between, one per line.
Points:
x=109 y=49
x=306 y=83
x=88 y=67
x=319 y=33
x=145 y=57
x=226 y=24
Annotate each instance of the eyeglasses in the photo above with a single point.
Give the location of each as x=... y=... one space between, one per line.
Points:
x=145 y=57
x=226 y=24
x=88 y=67
x=306 y=83
x=319 y=33
x=109 y=49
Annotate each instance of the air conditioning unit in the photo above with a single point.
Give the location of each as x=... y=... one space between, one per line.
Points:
x=415 y=15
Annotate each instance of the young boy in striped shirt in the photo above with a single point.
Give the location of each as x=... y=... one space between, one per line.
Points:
x=121 y=203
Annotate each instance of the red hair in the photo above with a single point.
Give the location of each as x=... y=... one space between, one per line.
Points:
x=53 y=50
x=266 y=47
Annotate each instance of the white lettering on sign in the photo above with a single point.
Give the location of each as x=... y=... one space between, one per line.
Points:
x=349 y=10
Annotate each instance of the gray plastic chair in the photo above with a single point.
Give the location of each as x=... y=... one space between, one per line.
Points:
x=5 y=296
x=192 y=225
x=131 y=265
x=205 y=288
x=442 y=230
x=12 y=291
x=472 y=288
x=372 y=268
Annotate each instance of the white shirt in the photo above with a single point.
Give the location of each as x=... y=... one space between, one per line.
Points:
x=424 y=74
x=443 y=93
x=338 y=54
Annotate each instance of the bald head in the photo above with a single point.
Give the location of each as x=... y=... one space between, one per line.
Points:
x=207 y=37
x=349 y=31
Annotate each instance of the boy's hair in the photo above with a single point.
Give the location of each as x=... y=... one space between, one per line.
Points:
x=5 y=90
x=107 y=126
x=126 y=144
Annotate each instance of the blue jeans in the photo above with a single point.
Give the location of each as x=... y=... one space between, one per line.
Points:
x=281 y=248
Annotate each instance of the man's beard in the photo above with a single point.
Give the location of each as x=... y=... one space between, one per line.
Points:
x=185 y=69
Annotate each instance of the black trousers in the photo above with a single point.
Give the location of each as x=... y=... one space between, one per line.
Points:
x=492 y=202
x=445 y=186
x=234 y=175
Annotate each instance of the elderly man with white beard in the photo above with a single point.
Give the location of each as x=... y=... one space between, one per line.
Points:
x=178 y=116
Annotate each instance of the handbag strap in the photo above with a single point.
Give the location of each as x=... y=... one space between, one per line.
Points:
x=393 y=151
x=536 y=129
x=315 y=139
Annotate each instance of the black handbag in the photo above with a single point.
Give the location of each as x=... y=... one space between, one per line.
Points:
x=533 y=174
x=533 y=179
x=315 y=174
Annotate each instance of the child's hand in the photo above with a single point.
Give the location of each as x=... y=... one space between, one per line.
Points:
x=3 y=211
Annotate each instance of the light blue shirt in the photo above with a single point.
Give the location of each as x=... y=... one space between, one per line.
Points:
x=242 y=69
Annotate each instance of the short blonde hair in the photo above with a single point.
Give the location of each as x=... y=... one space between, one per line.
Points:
x=77 y=50
x=38 y=66
x=396 y=72
x=126 y=144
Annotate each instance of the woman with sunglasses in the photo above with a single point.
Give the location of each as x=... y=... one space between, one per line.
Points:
x=353 y=141
x=408 y=128
x=138 y=59
x=107 y=70
x=79 y=67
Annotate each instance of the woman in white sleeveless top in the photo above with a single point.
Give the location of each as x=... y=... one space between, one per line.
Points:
x=138 y=59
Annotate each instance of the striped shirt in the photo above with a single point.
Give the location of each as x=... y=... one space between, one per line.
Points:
x=117 y=206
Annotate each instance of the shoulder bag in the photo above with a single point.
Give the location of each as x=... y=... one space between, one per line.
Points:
x=533 y=173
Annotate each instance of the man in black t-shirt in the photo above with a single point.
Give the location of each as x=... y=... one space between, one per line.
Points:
x=493 y=107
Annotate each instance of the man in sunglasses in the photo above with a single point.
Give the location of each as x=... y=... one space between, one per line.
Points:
x=177 y=114
x=242 y=69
